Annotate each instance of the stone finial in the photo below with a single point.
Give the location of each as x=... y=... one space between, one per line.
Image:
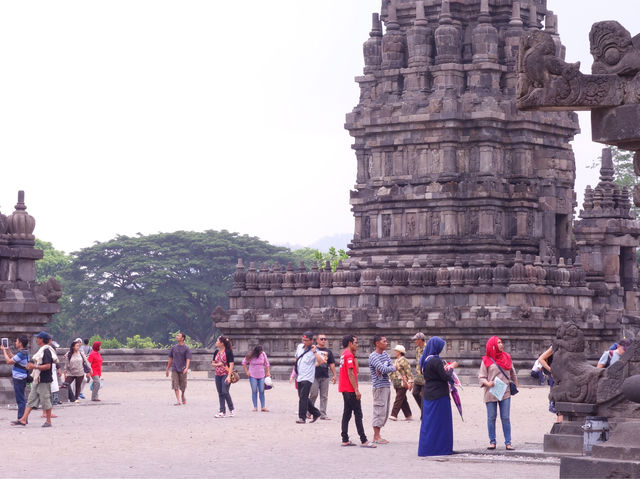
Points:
x=20 y=224
x=251 y=279
x=239 y=277
x=533 y=16
x=445 y=13
x=484 y=16
x=372 y=48
x=516 y=16
x=393 y=41
x=421 y=19
x=392 y=17
x=551 y=23
x=606 y=170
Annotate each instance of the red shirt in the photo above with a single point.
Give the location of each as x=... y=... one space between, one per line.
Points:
x=95 y=359
x=347 y=361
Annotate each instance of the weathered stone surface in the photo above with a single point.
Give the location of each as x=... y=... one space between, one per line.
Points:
x=25 y=305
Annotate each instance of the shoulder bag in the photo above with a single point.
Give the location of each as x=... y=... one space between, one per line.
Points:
x=513 y=389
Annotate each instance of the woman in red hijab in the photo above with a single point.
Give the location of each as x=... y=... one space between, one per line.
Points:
x=496 y=372
x=95 y=359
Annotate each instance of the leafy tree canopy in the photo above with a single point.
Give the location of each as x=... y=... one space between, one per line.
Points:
x=155 y=284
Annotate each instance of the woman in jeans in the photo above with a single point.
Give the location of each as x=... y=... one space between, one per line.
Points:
x=223 y=362
x=497 y=364
x=256 y=366
x=74 y=369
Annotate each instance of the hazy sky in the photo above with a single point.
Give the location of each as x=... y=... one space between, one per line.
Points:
x=145 y=116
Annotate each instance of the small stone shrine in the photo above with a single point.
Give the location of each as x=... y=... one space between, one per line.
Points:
x=25 y=305
x=463 y=204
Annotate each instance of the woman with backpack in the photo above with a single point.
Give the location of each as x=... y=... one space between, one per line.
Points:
x=497 y=367
x=256 y=366
x=223 y=362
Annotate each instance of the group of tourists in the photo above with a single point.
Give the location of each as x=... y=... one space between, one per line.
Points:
x=43 y=371
x=431 y=386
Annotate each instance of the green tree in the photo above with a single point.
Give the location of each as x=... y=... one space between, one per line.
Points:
x=309 y=255
x=53 y=262
x=153 y=285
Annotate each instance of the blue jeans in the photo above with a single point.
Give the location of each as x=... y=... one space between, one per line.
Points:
x=257 y=386
x=21 y=400
x=492 y=412
x=223 y=393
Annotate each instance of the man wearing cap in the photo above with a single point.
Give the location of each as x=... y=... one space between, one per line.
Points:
x=418 y=381
x=42 y=377
x=307 y=358
x=402 y=381
x=321 y=382
x=380 y=366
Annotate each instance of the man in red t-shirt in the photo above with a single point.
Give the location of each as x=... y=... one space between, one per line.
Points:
x=348 y=386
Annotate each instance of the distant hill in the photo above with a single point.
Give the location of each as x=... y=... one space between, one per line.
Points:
x=338 y=241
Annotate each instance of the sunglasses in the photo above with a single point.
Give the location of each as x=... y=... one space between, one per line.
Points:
x=322 y=339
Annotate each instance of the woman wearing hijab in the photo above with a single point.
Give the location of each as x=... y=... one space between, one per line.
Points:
x=436 y=430
x=95 y=359
x=497 y=364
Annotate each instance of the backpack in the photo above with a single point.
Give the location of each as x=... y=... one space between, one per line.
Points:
x=606 y=365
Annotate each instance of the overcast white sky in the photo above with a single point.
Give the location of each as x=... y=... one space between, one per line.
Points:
x=145 y=116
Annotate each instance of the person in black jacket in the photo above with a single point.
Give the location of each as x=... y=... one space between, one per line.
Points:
x=436 y=430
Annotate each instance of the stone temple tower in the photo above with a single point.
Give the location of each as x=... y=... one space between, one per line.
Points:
x=447 y=167
x=463 y=204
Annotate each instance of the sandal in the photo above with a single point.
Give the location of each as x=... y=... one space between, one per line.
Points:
x=347 y=444
x=509 y=447
x=17 y=423
x=491 y=447
x=369 y=445
x=381 y=441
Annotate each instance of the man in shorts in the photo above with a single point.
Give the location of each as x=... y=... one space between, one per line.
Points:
x=179 y=360
x=42 y=378
x=380 y=366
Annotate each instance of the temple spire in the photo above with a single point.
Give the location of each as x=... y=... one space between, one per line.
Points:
x=516 y=16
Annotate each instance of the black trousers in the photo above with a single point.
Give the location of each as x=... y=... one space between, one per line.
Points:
x=417 y=393
x=352 y=405
x=304 y=405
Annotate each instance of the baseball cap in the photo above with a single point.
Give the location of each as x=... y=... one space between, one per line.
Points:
x=400 y=347
x=43 y=335
x=419 y=336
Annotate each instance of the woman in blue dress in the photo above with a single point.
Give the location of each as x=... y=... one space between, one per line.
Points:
x=436 y=430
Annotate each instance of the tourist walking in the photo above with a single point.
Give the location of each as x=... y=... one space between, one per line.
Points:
x=179 y=362
x=380 y=366
x=402 y=381
x=307 y=358
x=497 y=368
x=418 y=381
x=436 y=428
x=75 y=363
x=41 y=387
x=348 y=386
x=256 y=366
x=321 y=382
x=95 y=360
x=613 y=355
x=223 y=361
x=19 y=370
x=86 y=350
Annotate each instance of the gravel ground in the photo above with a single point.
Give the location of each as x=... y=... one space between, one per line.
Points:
x=136 y=431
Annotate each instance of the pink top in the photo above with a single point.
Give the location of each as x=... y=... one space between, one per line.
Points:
x=257 y=366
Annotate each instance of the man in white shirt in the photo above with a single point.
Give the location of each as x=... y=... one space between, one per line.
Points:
x=307 y=358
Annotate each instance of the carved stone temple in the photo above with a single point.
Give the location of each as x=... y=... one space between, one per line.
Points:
x=463 y=204
x=25 y=305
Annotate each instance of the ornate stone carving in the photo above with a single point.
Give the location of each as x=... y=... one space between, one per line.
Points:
x=314 y=276
x=415 y=274
x=372 y=48
x=20 y=224
x=369 y=277
x=451 y=314
x=340 y=276
x=289 y=277
x=393 y=55
x=400 y=275
x=301 y=277
x=275 y=277
x=353 y=276
x=219 y=315
x=251 y=279
x=263 y=277
x=326 y=277
x=49 y=291
x=239 y=276
x=575 y=379
x=518 y=273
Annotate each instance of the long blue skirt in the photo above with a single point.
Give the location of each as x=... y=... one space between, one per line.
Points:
x=436 y=430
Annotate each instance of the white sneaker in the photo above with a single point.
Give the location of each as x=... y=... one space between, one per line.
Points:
x=220 y=414
x=232 y=413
